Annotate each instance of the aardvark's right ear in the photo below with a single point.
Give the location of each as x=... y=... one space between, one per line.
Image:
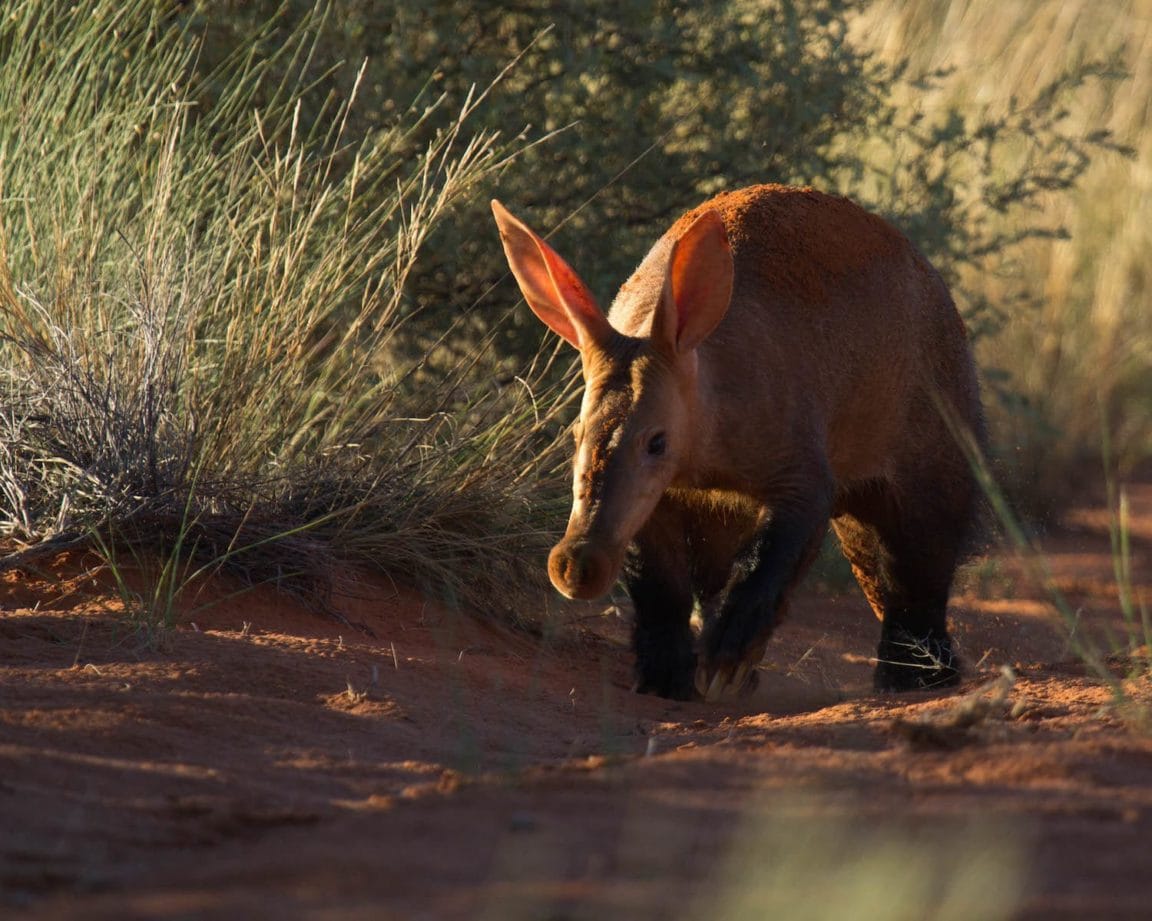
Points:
x=549 y=285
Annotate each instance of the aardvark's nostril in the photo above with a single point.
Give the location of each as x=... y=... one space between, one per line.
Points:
x=581 y=571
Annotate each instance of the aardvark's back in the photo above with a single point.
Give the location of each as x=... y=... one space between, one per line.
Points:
x=836 y=323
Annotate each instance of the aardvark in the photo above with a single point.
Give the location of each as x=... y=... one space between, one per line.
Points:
x=781 y=359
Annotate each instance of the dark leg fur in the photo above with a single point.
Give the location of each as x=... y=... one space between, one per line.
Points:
x=777 y=560
x=904 y=555
x=661 y=638
x=658 y=582
x=912 y=662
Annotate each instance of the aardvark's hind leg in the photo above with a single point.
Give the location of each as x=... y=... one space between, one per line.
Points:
x=904 y=559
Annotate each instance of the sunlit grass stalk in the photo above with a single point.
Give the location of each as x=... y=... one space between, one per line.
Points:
x=1031 y=556
x=1133 y=607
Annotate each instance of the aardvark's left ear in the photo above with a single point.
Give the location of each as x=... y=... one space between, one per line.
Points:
x=698 y=286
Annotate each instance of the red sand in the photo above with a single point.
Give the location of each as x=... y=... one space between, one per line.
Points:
x=269 y=762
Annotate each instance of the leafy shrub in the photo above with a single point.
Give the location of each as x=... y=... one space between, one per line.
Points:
x=648 y=109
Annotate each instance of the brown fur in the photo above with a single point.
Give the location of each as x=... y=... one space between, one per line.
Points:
x=835 y=322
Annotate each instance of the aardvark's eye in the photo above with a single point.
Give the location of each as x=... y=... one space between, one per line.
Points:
x=657 y=445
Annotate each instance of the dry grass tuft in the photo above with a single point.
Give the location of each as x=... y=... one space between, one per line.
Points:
x=197 y=313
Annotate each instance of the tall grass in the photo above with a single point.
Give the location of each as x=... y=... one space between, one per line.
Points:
x=197 y=307
x=1083 y=339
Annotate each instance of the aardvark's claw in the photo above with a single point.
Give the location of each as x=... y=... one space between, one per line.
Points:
x=702 y=680
x=713 y=684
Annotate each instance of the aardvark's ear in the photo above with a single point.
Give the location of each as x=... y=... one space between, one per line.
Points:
x=698 y=286
x=549 y=285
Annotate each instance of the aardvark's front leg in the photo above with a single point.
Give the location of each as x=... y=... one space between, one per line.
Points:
x=775 y=560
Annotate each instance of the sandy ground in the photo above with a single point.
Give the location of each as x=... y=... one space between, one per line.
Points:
x=264 y=761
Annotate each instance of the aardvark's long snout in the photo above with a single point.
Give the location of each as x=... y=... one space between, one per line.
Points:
x=582 y=570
